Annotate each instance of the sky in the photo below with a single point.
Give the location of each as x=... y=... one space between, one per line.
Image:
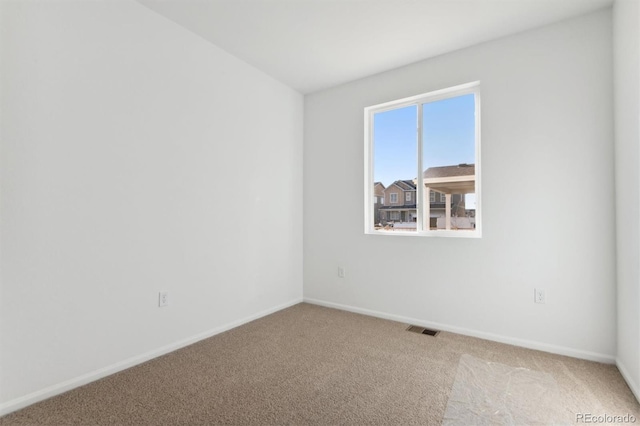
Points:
x=448 y=138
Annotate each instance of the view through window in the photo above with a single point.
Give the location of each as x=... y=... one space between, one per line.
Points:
x=423 y=164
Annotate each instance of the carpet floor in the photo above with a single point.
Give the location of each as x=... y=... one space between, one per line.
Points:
x=311 y=365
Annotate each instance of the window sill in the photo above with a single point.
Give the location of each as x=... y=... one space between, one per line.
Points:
x=436 y=234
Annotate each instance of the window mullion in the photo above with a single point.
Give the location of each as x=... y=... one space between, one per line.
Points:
x=420 y=186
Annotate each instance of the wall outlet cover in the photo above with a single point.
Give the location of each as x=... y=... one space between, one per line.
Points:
x=163 y=299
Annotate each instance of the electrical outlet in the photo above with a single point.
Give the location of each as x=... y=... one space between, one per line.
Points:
x=539 y=296
x=341 y=272
x=163 y=299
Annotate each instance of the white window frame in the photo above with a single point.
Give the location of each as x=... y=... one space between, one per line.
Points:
x=443 y=197
x=392 y=196
x=418 y=101
x=407 y=196
x=432 y=196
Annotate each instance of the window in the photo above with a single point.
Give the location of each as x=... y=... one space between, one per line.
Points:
x=432 y=140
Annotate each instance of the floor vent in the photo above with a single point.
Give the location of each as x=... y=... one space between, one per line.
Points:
x=422 y=330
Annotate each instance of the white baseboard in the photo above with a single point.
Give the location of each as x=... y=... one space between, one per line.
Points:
x=48 y=392
x=627 y=377
x=545 y=347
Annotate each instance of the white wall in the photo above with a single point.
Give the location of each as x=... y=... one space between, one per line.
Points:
x=626 y=20
x=548 y=198
x=136 y=157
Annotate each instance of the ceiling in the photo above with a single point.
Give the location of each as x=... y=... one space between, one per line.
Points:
x=311 y=45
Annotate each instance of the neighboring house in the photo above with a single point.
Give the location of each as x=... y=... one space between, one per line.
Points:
x=378 y=200
x=399 y=202
x=443 y=183
x=450 y=183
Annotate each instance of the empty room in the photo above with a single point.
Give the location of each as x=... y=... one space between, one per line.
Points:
x=266 y=212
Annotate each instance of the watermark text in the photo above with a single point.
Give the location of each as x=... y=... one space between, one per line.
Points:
x=604 y=418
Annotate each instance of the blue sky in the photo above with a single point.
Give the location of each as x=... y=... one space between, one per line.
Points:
x=448 y=137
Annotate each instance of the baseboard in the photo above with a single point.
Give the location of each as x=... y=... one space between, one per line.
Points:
x=545 y=347
x=48 y=392
x=627 y=377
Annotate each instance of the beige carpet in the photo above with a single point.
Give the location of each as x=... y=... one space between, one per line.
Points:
x=314 y=365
